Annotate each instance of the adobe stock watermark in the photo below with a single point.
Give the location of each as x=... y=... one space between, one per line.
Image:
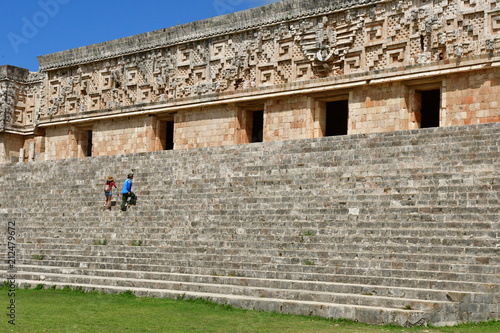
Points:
x=31 y=26
x=225 y=6
x=11 y=272
x=228 y=6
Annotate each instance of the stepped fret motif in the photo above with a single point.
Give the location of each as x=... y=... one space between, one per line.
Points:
x=290 y=61
x=349 y=40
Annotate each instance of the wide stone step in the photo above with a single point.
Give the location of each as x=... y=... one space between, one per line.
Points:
x=366 y=314
x=429 y=283
x=332 y=169
x=273 y=269
x=447 y=271
x=326 y=249
x=328 y=287
x=444 y=191
x=403 y=203
x=295 y=227
x=319 y=242
x=138 y=218
x=395 y=154
x=402 y=175
x=438 y=261
x=262 y=292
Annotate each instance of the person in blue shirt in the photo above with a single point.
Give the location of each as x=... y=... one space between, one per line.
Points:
x=127 y=192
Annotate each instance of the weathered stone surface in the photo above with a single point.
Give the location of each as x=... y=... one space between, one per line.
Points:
x=289 y=60
x=395 y=227
x=271 y=226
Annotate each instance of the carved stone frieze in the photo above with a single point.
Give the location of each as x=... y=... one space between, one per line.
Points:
x=9 y=98
x=299 y=42
x=4 y=107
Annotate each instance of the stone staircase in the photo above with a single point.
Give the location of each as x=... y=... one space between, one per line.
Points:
x=396 y=227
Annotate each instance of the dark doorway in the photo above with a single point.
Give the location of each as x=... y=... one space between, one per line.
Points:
x=257 y=126
x=337 y=118
x=169 y=145
x=431 y=100
x=89 y=143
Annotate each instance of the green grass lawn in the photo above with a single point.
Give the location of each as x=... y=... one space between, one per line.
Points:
x=75 y=311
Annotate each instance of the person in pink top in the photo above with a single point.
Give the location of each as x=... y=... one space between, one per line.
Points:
x=108 y=191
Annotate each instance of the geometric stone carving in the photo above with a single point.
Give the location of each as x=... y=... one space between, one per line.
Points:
x=333 y=39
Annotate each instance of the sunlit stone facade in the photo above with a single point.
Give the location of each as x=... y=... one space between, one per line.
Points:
x=290 y=70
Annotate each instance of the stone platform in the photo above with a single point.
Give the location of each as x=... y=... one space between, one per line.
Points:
x=398 y=227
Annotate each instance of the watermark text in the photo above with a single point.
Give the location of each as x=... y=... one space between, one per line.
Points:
x=11 y=272
x=32 y=25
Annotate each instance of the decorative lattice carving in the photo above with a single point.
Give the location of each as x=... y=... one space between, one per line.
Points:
x=346 y=40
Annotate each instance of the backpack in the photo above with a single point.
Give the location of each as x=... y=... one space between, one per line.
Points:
x=107 y=188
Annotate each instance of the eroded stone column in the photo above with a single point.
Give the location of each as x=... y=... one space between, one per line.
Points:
x=21 y=155
x=31 y=152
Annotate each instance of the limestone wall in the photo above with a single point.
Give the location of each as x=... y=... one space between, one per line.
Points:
x=123 y=136
x=206 y=127
x=109 y=137
x=466 y=98
x=473 y=98
x=288 y=119
x=379 y=109
x=12 y=145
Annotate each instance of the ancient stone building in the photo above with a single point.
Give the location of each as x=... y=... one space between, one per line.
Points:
x=290 y=70
x=396 y=222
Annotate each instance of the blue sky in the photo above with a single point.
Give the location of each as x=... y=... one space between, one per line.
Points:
x=30 y=28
